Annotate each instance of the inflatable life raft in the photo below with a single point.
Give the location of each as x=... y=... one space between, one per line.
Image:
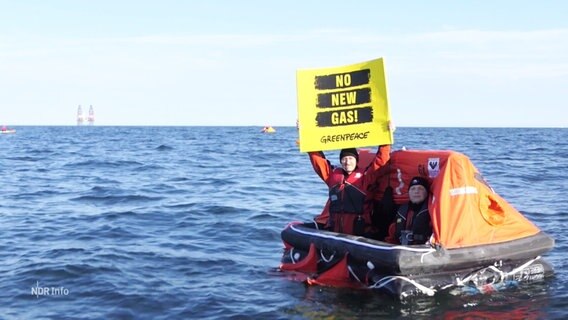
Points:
x=479 y=240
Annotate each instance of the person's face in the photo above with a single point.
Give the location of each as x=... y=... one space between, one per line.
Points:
x=348 y=163
x=417 y=193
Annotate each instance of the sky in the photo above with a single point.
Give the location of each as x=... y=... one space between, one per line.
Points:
x=233 y=63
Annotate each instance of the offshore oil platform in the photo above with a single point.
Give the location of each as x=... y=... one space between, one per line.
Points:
x=81 y=118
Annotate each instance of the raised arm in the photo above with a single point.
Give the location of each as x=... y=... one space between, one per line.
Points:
x=383 y=152
x=382 y=157
x=321 y=165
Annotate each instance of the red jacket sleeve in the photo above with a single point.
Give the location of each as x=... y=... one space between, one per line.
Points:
x=382 y=156
x=321 y=165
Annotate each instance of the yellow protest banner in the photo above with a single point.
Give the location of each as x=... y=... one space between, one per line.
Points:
x=343 y=107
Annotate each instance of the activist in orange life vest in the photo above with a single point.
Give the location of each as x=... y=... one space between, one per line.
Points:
x=350 y=207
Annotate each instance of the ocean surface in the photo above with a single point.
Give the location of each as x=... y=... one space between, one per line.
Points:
x=184 y=223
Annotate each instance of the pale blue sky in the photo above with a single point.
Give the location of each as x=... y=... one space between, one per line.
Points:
x=448 y=63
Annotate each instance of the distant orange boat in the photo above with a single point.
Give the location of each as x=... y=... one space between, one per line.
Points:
x=268 y=129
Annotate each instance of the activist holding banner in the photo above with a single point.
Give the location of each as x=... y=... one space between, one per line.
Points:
x=350 y=202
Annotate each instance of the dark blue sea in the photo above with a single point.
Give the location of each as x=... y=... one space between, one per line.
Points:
x=184 y=223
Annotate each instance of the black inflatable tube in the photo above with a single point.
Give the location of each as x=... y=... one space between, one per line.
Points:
x=416 y=259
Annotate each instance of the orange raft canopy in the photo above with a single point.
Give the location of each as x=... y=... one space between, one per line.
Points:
x=465 y=210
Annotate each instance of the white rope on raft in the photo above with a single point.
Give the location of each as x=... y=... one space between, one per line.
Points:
x=503 y=275
x=386 y=280
x=327 y=259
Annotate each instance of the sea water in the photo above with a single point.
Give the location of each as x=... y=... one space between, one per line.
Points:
x=184 y=223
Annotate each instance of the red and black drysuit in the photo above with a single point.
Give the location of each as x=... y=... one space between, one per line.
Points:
x=415 y=220
x=350 y=204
